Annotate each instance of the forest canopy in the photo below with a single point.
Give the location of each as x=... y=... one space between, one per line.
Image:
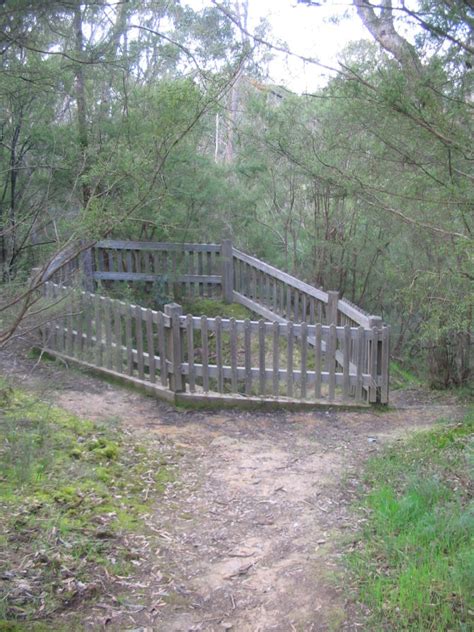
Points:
x=152 y=120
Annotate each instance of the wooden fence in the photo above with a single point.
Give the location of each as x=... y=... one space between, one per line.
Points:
x=184 y=358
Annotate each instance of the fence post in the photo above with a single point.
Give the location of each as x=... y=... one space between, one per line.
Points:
x=174 y=347
x=87 y=269
x=333 y=298
x=227 y=270
x=374 y=354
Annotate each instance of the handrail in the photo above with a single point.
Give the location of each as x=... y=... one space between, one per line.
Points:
x=281 y=276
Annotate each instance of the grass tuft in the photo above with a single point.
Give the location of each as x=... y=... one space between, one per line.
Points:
x=414 y=568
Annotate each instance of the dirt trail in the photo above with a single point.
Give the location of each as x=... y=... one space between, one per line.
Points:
x=252 y=533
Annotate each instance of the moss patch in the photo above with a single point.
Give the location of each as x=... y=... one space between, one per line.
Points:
x=71 y=492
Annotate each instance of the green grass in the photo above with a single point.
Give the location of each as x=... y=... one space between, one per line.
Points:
x=70 y=491
x=415 y=565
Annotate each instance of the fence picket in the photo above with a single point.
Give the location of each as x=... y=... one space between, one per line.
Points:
x=117 y=314
x=346 y=361
x=317 y=360
x=150 y=343
x=205 y=354
x=261 y=356
x=190 y=341
x=331 y=361
x=304 y=359
x=248 y=357
x=276 y=359
x=233 y=355
x=289 y=360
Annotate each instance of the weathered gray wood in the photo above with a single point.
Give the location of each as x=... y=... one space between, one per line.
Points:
x=190 y=341
x=360 y=346
x=174 y=351
x=304 y=307
x=261 y=356
x=282 y=276
x=257 y=308
x=311 y=311
x=353 y=313
x=88 y=343
x=317 y=360
x=346 y=361
x=233 y=355
x=200 y=272
x=289 y=361
x=289 y=311
x=304 y=359
x=79 y=310
x=87 y=267
x=69 y=326
x=372 y=356
x=117 y=314
x=142 y=276
x=227 y=271
x=248 y=357
x=331 y=310
x=162 y=348
x=107 y=316
x=139 y=341
x=276 y=359
x=331 y=361
x=118 y=244
x=128 y=338
x=219 y=359
x=150 y=342
x=205 y=354
x=385 y=365
x=129 y=262
x=98 y=330
x=208 y=272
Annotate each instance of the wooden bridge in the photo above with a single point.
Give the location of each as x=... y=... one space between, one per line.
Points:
x=309 y=347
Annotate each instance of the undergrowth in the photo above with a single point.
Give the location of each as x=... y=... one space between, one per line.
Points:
x=71 y=492
x=414 y=568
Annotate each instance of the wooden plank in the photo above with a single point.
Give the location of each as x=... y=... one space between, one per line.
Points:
x=288 y=312
x=311 y=311
x=233 y=355
x=214 y=279
x=304 y=359
x=257 y=308
x=353 y=313
x=128 y=312
x=248 y=357
x=118 y=244
x=205 y=354
x=160 y=323
x=331 y=361
x=385 y=368
x=78 y=339
x=150 y=341
x=261 y=356
x=289 y=361
x=360 y=346
x=174 y=347
x=129 y=262
x=304 y=307
x=200 y=272
x=276 y=359
x=190 y=341
x=139 y=341
x=227 y=270
x=88 y=307
x=288 y=279
x=117 y=313
x=107 y=315
x=98 y=330
x=317 y=360
x=346 y=361
x=69 y=326
x=208 y=261
x=219 y=359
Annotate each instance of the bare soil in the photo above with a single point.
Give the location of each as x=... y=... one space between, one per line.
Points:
x=251 y=535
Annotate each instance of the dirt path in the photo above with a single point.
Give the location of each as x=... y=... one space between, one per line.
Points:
x=252 y=533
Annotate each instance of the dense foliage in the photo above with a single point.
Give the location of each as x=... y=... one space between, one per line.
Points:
x=150 y=120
